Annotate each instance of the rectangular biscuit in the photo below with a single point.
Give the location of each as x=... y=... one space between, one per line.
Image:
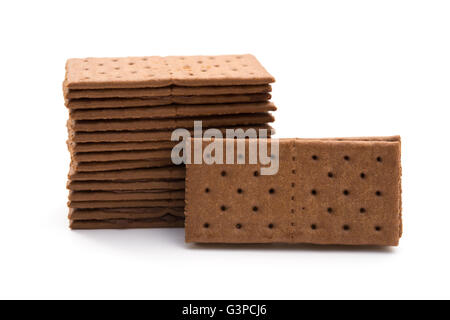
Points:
x=94 y=147
x=149 y=72
x=125 y=195
x=172 y=111
x=325 y=192
x=173 y=172
x=88 y=104
x=124 y=213
x=144 y=135
x=164 y=124
x=163 y=222
x=125 y=185
x=125 y=204
x=120 y=165
x=121 y=155
x=164 y=92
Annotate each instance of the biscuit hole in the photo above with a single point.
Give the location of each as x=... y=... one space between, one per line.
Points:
x=255 y=209
x=292 y=198
x=271 y=190
x=151 y=75
x=86 y=69
x=362 y=175
x=346 y=192
x=227 y=61
x=379 y=159
x=314 y=192
x=378 y=228
x=223 y=208
x=346 y=227
x=217 y=65
x=211 y=58
x=86 y=78
x=144 y=59
x=330 y=174
x=346 y=158
x=100 y=64
x=206 y=225
x=255 y=173
x=378 y=193
x=133 y=72
x=118 y=77
x=271 y=226
x=252 y=73
x=294 y=158
x=239 y=191
x=362 y=210
x=234 y=69
x=293 y=184
x=131 y=63
x=238 y=226
x=207 y=190
x=294 y=172
x=313 y=226
x=147 y=67
x=191 y=74
x=314 y=157
x=330 y=210
x=245 y=65
x=102 y=72
x=115 y=60
x=223 y=173
x=292 y=211
x=204 y=70
x=117 y=68
x=199 y=61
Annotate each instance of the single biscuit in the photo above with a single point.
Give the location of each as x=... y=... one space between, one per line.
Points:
x=173 y=172
x=121 y=155
x=125 y=195
x=164 y=124
x=325 y=192
x=142 y=136
x=88 y=104
x=125 y=185
x=131 y=72
x=223 y=70
x=125 y=204
x=172 y=111
x=147 y=72
x=164 y=92
x=163 y=222
x=124 y=213
x=120 y=165
x=94 y=147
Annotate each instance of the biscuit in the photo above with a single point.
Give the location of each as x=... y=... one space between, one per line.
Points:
x=88 y=104
x=150 y=72
x=125 y=185
x=141 y=136
x=167 y=221
x=94 y=147
x=124 y=213
x=174 y=172
x=165 y=92
x=172 y=111
x=120 y=165
x=122 y=155
x=164 y=124
x=344 y=191
x=125 y=195
x=125 y=204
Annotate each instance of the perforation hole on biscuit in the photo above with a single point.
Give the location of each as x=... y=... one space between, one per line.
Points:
x=346 y=158
x=255 y=209
x=330 y=174
x=379 y=159
x=362 y=175
x=207 y=190
x=314 y=192
x=313 y=226
x=240 y=191
x=238 y=226
x=377 y=228
x=206 y=225
x=315 y=157
x=362 y=210
x=255 y=173
x=346 y=227
x=223 y=173
x=271 y=191
x=330 y=210
x=270 y=226
x=378 y=193
x=223 y=208
x=346 y=192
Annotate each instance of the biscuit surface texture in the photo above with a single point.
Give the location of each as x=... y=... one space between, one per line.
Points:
x=326 y=192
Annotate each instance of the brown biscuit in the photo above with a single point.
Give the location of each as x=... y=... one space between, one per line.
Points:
x=163 y=222
x=88 y=104
x=173 y=111
x=141 y=136
x=125 y=195
x=162 y=124
x=165 y=92
x=146 y=72
x=120 y=165
x=325 y=192
x=131 y=72
x=93 y=147
x=121 y=155
x=125 y=204
x=124 y=213
x=174 y=172
x=125 y=185
x=223 y=70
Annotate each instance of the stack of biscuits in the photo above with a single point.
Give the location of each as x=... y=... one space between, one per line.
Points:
x=122 y=112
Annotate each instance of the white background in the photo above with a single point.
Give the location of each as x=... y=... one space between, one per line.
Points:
x=343 y=68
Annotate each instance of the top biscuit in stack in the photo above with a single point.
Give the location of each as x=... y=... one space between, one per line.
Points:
x=122 y=112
